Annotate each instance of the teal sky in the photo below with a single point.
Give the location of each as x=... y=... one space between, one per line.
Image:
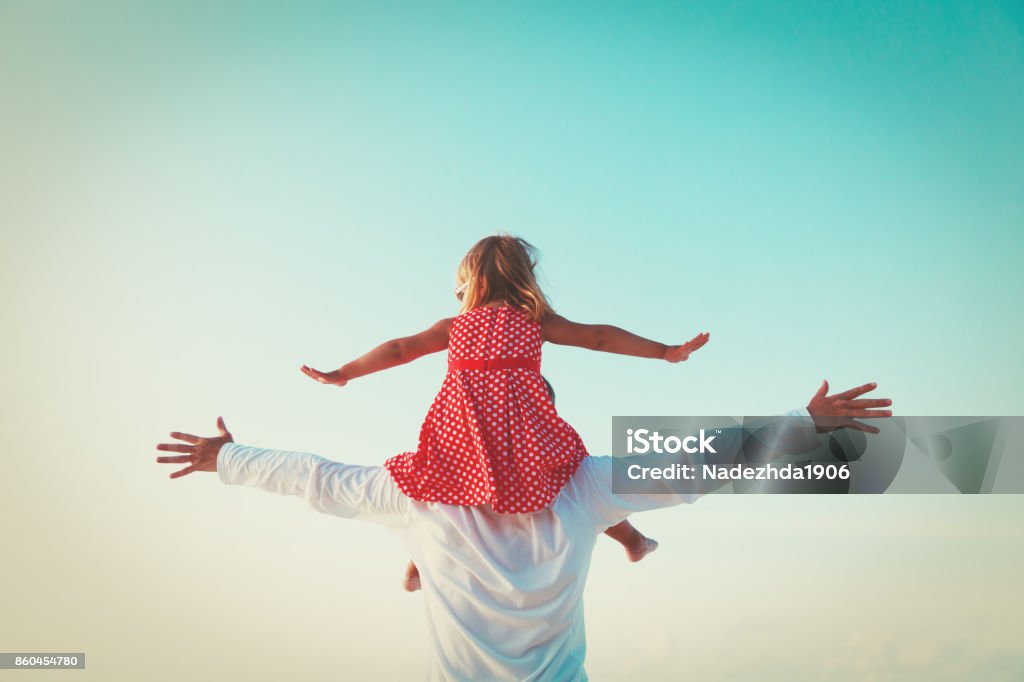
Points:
x=197 y=199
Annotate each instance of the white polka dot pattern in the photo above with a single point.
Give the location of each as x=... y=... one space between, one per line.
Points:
x=491 y=436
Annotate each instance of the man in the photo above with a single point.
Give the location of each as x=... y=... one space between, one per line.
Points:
x=504 y=593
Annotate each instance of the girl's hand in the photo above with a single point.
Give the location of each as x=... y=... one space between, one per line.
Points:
x=681 y=353
x=334 y=377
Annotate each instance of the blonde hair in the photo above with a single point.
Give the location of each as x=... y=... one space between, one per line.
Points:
x=502 y=267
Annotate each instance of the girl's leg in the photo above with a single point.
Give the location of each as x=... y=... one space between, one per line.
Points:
x=411 y=581
x=636 y=543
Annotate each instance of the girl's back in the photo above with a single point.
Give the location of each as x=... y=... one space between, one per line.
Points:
x=494 y=332
x=492 y=435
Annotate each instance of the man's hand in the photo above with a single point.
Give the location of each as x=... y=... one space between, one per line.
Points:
x=681 y=353
x=202 y=452
x=840 y=411
x=333 y=378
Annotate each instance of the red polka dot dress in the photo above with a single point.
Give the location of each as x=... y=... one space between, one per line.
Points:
x=492 y=435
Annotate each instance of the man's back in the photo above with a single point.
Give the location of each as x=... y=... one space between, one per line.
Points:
x=504 y=593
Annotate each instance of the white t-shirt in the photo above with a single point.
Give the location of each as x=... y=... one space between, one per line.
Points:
x=504 y=593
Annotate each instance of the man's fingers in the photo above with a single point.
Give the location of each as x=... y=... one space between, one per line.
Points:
x=184 y=472
x=174 y=459
x=187 y=437
x=867 y=414
x=222 y=427
x=823 y=390
x=175 y=447
x=854 y=392
x=866 y=428
x=865 y=402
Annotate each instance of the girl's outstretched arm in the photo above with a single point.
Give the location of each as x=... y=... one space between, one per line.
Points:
x=604 y=337
x=388 y=354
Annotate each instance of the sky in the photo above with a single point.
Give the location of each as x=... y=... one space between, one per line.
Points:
x=197 y=198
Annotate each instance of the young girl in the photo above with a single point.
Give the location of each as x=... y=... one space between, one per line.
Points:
x=492 y=435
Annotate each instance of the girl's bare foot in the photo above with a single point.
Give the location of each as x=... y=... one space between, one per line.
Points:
x=641 y=548
x=411 y=581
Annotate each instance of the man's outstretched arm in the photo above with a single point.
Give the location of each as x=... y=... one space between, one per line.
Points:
x=345 y=490
x=792 y=434
x=612 y=498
